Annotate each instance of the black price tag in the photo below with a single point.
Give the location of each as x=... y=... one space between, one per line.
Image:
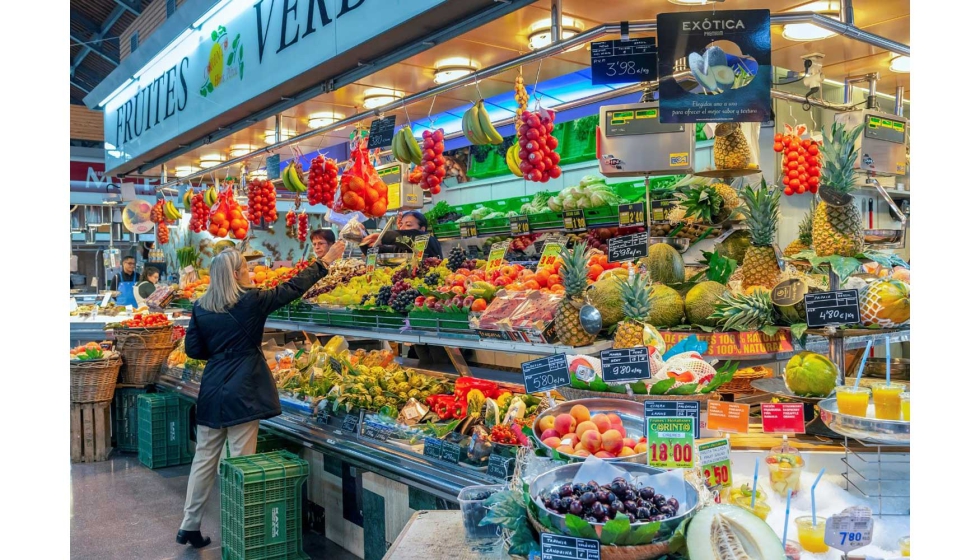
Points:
x=675 y=409
x=560 y=547
x=376 y=432
x=500 y=466
x=382 y=131
x=322 y=417
x=467 y=229
x=624 y=62
x=628 y=247
x=659 y=210
x=432 y=447
x=519 y=225
x=832 y=308
x=545 y=373
x=574 y=219
x=350 y=423
x=272 y=167
x=451 y=452
x=631 y=215
x=625 y=364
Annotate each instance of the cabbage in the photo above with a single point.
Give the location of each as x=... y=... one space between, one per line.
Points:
x=570 y=204
x=554 y=204
x=464 y=219
x=540 y=201
x=495 y=215
x=511 y=214
x=481 y=213
x=583 y=202
x=527 y=209
x=590 y=179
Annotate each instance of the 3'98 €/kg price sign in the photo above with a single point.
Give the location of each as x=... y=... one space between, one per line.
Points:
x=546 y=373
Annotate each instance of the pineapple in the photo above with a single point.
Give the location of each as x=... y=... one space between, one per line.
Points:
x=635 y=294
x=567 y=323
x=729 y=196
x=745 y=312
x=704 y=204
x=759 y=266
x=731 y=147
x=805 y=240
x=838 y=230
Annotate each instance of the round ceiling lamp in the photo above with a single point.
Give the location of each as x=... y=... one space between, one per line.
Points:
x=809 y=31
x=540 y=35
x=270 y=136
x=322 y=119
x=901 y=64
x=449 y=73
x=374 y=98
x=211 y=160
x=239 y=150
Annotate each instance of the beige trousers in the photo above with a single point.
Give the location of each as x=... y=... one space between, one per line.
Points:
x=210 y=448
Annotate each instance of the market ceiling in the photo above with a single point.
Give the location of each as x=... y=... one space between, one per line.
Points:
x=95 y=29
x=508 y=37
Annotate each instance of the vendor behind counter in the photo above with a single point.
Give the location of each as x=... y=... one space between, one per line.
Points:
x=410 y=224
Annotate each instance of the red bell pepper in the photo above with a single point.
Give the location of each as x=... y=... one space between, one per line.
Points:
x=464 y=384
x=444 y=406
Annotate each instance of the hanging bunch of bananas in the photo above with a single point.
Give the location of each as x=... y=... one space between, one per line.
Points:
x=170 y=211
x=186 y=199
x=521 y=97
x=513 y=161
x=405 y=148
x=292 y=178
x=210 y=196
x=478 y=128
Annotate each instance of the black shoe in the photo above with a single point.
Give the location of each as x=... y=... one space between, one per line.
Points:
x=193 y=537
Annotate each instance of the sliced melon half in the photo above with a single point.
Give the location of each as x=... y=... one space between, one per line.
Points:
x=726 y=532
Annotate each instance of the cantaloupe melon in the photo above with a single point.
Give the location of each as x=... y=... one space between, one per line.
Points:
x=664 y=264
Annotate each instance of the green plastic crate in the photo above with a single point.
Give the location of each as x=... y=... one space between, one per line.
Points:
x=164 y=430
x=262 y=506
x=378 y=319
x=572 y=148
x=267 y=442
x=450 y=229
x=450 y=322
x=125 y=420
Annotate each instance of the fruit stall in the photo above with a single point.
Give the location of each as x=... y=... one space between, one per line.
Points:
x=645 y=337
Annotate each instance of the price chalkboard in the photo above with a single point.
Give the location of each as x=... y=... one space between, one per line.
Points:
x=832 y=308
x=574 y=219
x=376 y=432
x=432 y=447
x=451 y=452
x=519 y=225
x=382 y=132
x=500 y=466
x=322 y=417
x=272 y=167
x=546 y=373
x=624 y=62
x=675 y=409
x=631 y=215
x=628 y=247
x=350 y=423
x=560 y=547
x=467 y=229
x=625 y=364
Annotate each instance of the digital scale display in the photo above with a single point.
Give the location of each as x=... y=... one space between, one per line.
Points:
x=637 y=121
x=888 y=130
x=391 y=175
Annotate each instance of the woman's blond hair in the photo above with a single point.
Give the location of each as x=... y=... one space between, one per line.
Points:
x=224 y=290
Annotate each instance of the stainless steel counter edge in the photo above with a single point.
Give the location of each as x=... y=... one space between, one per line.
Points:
x=411 y=469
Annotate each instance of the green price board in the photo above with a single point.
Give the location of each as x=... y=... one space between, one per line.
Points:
x=716 y=463
x=670 y=442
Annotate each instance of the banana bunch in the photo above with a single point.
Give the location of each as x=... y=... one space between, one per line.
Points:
x=170 y=211
x=405 y=148
x=292 y=178
x=514 y=162
x=478 y=128
x=210 y=196
x=186 y=200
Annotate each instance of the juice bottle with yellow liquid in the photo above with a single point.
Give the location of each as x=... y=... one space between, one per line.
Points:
x=810 y=535
x=906 y=399
x=853 y=401
x=887 y=400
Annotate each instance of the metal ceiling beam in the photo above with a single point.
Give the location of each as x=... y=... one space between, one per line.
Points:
x=77 y=84
x=98 y=34
x=133 y=6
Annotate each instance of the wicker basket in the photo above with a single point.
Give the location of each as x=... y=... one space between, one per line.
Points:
x=571 y=394
x=742 y=382
x=144 y=352
x=94 y=381
x=609 y=552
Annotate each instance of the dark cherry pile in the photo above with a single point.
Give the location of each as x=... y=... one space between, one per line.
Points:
x=598 y=504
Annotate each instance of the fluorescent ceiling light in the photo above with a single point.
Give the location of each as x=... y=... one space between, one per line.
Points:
x=450 y=69
x=185 y=170
x=320 y=120
x=809 y=31
x=238 y=150
x=374 y=98
x=540 y=35
x=211 y=160
x=270 y=136
x=901 y=64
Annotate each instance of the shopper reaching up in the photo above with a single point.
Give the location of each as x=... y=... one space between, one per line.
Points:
x=237 y=389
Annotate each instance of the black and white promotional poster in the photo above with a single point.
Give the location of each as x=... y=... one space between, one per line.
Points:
x=715 y=66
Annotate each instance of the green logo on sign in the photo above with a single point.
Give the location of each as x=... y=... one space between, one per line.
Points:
x=222 y=68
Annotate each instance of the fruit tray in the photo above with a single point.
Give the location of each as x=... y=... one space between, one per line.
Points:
x=631 y=413
x=867 y=430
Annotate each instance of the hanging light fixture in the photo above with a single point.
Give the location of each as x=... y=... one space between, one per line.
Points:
x=901 y=64
x=211 y=160
x=691 y=2
x=453 y=69
x=809 y=31
x=322 y=119
x=540 y=35
x=238 y=150
x=374 y=98
x=185 y=170
x=270 y=136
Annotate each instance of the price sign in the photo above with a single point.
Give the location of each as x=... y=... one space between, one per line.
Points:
x=418 y=250
x=628 y=247
x=728 y=417
x=376 y=432
x=849 y=530
x=545 y=373
x=716 y=462
x=781 y=418
x=432 y=448
x=659 y=210
x=624 y=62
x=372 y=259
x=561 y=547
x=272 y=165
x=574 y=219
x=631 y=215
x=467 y=229
x=832 y=308
x=451 y=452
x=672 y=409
x=549 y=256
x=625 y=364
x=350 y=423
x=500 y=466
x=105 y=299
x=671 y=442
x=519 y=226
x=322 y=417
x=496 y=258
x=382 y=132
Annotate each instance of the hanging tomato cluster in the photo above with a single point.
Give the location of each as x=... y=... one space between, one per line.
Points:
x=801 y=161
x=321 y=181
x=303 y=222
x=200 y=213
x=262 y=202
x=159 y=217
x=538 y=155
x=227 y=219
x=433 y=163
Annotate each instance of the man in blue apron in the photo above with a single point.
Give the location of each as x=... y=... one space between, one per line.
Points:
x=125 y=282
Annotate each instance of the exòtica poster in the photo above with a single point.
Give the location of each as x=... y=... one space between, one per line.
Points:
x=715 y=66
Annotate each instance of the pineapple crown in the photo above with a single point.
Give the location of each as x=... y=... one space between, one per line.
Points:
x=806 y=227
x=761 y=208
x=741 y=312
x=703 y=203
x=839 y=156
x=574 y=270
x=635 y=293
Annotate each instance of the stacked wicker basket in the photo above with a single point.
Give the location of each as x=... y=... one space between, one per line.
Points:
x=144 y=351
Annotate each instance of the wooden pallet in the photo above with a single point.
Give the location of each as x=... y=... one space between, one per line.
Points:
x=91 y=432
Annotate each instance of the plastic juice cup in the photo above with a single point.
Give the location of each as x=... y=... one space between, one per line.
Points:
x=888 y=405
x=906 y=400
x=853 y=401
x=905 y=544
x=793 y=550
x=761 y=509
x=810 y=535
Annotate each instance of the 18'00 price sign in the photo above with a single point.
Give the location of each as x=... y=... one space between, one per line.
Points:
x=671 y=443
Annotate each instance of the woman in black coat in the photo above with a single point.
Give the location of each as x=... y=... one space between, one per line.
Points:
x=237 y=389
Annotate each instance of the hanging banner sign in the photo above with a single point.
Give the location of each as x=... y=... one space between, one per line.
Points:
x=715 y=66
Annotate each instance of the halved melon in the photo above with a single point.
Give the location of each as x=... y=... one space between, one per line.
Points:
x=726 y=532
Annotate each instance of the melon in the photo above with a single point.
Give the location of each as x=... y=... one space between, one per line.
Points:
x=666 y=307
x=809 y=374
x=606 y=297
x=727 y=532
x=885 y=303
x=700 y=302
x=734 y=246
x=664 y=264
